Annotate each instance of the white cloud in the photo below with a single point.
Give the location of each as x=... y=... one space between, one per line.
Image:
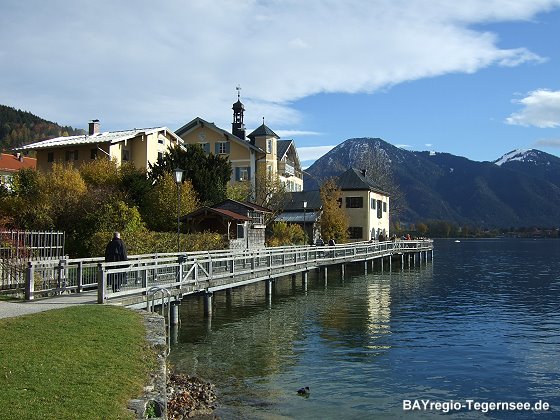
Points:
x=296 y=133
x=541 y=108
x=403 y=146
x=428 y=145
x=167 y=62
x=311 y=153
x=548 y=143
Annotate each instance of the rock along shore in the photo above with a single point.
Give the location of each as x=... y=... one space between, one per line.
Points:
x=189 y=396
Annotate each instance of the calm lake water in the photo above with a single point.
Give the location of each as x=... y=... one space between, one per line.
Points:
x=481 y=322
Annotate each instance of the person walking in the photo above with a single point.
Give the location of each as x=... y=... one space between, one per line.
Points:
x=116 y=251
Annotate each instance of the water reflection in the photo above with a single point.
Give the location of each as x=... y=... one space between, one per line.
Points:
x=481 y=322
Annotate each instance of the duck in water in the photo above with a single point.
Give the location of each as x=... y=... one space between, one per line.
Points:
x=304 y=392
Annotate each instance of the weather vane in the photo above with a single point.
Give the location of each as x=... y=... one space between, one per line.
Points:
x=238 y=88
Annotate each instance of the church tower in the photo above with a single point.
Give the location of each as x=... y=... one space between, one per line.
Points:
x=237 y=126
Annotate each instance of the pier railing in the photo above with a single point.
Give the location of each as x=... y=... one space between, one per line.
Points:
x=194 y=272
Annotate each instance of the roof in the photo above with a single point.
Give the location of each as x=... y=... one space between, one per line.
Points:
x=298 y=217
x=227 y=214
x=282 y=147
x=11 y=163
x=250 y=206
x=199 y=122
x=294 y=201
x=263 y=130
x=105 y=137
x=238 y=105
x=353 y=179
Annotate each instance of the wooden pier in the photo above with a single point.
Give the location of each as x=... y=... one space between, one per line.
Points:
x=145 y=279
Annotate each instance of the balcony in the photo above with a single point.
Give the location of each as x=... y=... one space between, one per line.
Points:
x=286 y=168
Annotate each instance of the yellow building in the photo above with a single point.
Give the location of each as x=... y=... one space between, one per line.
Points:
x=262 y=151
x=367 y=207
x=140 y=146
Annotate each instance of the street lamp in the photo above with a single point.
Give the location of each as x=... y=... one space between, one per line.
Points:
x=304 y=207
x=178 y=175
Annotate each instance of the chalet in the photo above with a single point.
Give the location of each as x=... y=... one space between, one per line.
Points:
x=260 y=152
x=242 y=223
x=140 y=146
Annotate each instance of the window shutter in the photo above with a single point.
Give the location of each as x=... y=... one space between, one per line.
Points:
x=227 y=147
x=347 y=202
x=216 y=148
x=237 y=173
x=207 y=148
x=248 y=172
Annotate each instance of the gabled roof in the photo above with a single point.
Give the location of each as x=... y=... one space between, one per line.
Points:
x=105 y=137
x=226 y=214
x=11 y=163
x=199 y=122
x=263 y=130
x=282 y=147
x=294 y=201
x=247 y=205
x=355 y=180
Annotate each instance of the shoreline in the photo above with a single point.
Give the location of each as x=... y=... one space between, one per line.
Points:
x=189 y=396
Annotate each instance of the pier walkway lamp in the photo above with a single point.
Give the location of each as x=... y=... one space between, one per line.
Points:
x=304 y=207
x=178 y=175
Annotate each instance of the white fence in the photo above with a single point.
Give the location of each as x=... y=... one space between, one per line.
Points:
x=197 y=271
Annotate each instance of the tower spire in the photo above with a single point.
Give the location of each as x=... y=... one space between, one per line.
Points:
x=237 y=126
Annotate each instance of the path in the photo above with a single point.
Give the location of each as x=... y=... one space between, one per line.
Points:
x=9 y=309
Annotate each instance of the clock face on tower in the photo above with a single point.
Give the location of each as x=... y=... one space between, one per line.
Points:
x=202 y=136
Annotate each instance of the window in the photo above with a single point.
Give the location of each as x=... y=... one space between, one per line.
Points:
x=222 y=147
x=242 y=173
x=240 y=231
x=355 y=232
x=50 y=157
x=269 y=146
x=384 y=207
x=205 y=147
x=160 y=140
x=126 y=155
x=93 y=153
x=354 y=202
x=160 y=155
x=379 y=209
x=372 y=203
x=71 y=155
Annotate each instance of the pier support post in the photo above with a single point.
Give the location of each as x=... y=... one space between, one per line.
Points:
x=208 y=304
x=365 y=267
x=228 y=296
x=382 y=264
x=304 y=281
x=174 y=314
x=391 y=262
x=342 y=268
x=402 y=261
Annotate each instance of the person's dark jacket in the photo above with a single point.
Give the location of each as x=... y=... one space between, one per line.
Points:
x=115 y=251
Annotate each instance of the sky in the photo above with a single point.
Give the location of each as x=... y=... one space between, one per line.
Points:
x=475 y=78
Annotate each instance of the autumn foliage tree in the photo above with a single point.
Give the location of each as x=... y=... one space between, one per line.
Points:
x=334 y=222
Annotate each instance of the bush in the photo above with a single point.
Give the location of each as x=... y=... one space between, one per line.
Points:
x=286 y=234
x=149 y=242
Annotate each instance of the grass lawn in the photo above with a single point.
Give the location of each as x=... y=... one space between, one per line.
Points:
x=82 y=362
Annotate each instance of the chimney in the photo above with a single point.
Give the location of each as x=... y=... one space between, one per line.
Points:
x=93 y=127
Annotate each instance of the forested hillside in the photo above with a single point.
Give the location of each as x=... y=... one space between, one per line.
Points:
x=21 y=127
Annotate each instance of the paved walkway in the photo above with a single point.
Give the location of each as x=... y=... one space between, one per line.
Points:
x=12 y=308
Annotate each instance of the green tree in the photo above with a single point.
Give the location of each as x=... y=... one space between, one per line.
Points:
x=334 y=222
x=270 y=193
x=209 y=174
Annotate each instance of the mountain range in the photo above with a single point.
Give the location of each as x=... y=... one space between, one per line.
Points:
x=521 y=189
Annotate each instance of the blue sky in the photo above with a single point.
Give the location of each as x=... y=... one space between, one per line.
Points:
x=475 y=78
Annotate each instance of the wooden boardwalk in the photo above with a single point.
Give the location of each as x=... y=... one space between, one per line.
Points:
x=178 y=275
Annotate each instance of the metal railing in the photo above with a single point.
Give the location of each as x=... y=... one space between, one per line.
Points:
x=196 y=271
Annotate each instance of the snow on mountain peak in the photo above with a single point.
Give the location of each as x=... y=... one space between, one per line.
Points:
x=523 y=155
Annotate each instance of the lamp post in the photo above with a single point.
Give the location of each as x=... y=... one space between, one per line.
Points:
x=178 y=175
x=304 y=207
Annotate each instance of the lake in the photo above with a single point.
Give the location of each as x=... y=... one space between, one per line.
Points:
x=480 y=324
